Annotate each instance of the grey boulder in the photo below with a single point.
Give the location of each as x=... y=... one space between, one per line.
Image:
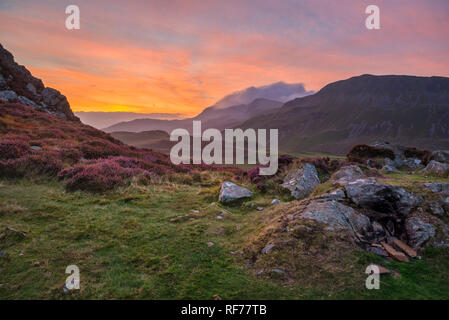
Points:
x=389 y=169
x=438 y=187
x=301 y=182
x=418 y=231
x=230 y=192
x=435 y=167
x=381 y=198
x=337 y=216
x=347 y=174
x=8 y=96
x=441 y=156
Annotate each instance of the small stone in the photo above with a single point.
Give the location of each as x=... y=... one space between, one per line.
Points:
x=278 y=271
x=275 y=201
x=395 y=254
x=35 y=148
x=260 y=208
x=268 y=248
x=194 y=211
x=378 y=251
x=382 y=270
x=219 y=217
x=409 y=251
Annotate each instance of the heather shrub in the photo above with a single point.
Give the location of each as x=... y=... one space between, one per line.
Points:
x=284 y=161
x=325 y=166
x=423 y=155
x=71 y=155
x=96 y=149
x=11 y=148
x=55 y=133
x=101 y=176
x=42 y=163
x=361 y=152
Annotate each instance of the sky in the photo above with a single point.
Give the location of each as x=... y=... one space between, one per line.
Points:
x=174 y=56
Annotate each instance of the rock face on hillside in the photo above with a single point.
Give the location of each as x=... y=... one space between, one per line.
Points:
x=435 y=167
x=441 y=156
x=337 y=216
x=301 y=182
x=17 y=85
x=382 y=198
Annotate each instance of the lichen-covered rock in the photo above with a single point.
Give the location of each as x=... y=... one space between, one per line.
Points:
x=436 y=208
x=347 y=174
x=418 y=231
x=412 y=163
x=301 y=182
x=438 y=187
x=8 y=96
x=435 y=167
x=334 y=195
x=389 y=169
x=337 y=216
x=381 y=198
x=441 y=156
x=230 y=192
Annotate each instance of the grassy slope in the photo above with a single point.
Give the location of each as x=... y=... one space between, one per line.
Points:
x=126 y=247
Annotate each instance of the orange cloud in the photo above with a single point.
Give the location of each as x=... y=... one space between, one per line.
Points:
x=180 y=57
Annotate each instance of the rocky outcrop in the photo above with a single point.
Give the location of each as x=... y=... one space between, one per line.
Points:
x=337 y=216
x=418 y=231
x=17 y=85
x=441 y=156
x=437 y=168
x=301 y=182
x=387 y=199
x=347 y=174
x=389 y=169
x=230 y=192
x=438 y=187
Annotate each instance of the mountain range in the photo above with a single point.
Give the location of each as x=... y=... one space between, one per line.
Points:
x=211 y=117
x=406 y=110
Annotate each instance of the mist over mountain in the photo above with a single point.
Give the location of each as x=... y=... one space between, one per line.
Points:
x=219 y=118
x=104 y=119
x=242 y=103
x=279 y=91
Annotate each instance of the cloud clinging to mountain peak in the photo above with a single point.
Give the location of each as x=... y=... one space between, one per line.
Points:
x=279 y=91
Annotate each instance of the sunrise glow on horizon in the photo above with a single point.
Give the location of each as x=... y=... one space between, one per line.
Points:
x=182 y=56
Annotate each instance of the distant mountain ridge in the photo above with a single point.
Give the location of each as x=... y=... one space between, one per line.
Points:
x=211 y=117
x=402 y=109
x=100 y=119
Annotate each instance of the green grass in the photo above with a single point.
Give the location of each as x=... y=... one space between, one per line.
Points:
x=127 y=247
